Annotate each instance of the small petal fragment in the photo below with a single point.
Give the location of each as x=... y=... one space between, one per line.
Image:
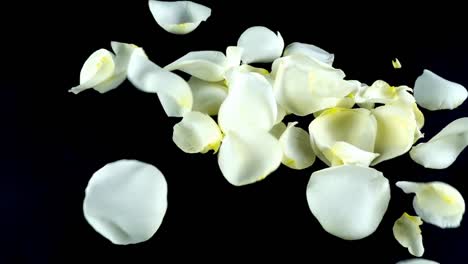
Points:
x=443 y=149
x=407 y=232
x=396 y=64
x=297 y=151
x=197 y=133
x=349 y=201
x=126 y=201
x=357 y=127
x=436 y=203
x=173 y=92
x=310 y=51
x=249 y=155
x=207 y=96
x=260 y=45
x=417 y=261
x=178 y=17
x=250 y=103
x=436 y=93
x=206 y=65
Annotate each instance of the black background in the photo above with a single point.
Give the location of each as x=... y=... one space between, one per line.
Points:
x=52 y=141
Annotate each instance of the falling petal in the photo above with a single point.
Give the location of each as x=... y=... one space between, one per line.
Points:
x=178 y=17
x=125 y=201
x=260 y=45
x=233 y=56
x=348 y=201
x=436 y=93
x=278 y=129
x=297 y=151
x=443 y=149
x=407 y=232
x=357 y=127
x=173 y=92
x=197 y=133
x=342 y=153
x=249 y=155
x=207 y=96
x=206 y=65
x=436 y=203
x=250 y=103
x=310 y=51
x=383 y=93
x=396 y=64
x=417 y=261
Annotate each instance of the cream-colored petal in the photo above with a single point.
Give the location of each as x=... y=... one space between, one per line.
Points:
x=207 y=96
x=250 y=103
x=396 y=64
x=407 y=232
x=249 y=155
x=197 y=133
x=111 y=83
x=278 y=129
x=280 y=113
x=417 y=261
x=310 y=51
x=436 y=203
x=178 y=17
x=123 y=53
x=342 y=153
x=396 y=128
x=260 y=45
x=125 y=201
x=297 y=151
x=97 y=68
x=436 y=93
x=357 y=127
x=173 y=92
x=443 y=149
x=348 y=201
x=233 y=56
x=383 y=93
x=206 y=65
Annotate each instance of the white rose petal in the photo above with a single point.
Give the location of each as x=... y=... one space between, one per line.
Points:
x=260 y=45
x=207 y=96
x=417 y=261
x=207 y=65
x=297 y=151
x=407 y=232
x=310 y=51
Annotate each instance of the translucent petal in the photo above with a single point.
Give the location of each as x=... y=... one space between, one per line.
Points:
x=436 y=203
x=173 y=92
x=197 y=133
x=125 y=201
x=396 y=128
x=260 y=45
x=342 y=153
x=207 y=96
x=443 y=149
x=310 y=51
x=249 y=155
x=407 y=232
x=206 y=65
x=297 y=151
x=357 y=127
x=97 y=68
x=436 y=93
x=250 y=103
x=417 y=261
x=348 y=201
x=178 y=17
x=278 y=129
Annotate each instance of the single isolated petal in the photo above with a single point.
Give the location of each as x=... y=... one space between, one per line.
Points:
x=207 y=96
x=396 y=128
x=173 y=92
x=249 y=155
x=197 y=133
x=357 y=127
x=278 y=129
x=97 y=68
x=436 y=203
x=178 y=17
x=310 y=51
x=443 y=149
x=407 y=232
x=436 y=93
x=250 y=103
x=125 y=201
x=349 y=201
x=260 y=45
x=396 y=64
x=417 y=261
x=297 y=151
x=207 y=65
